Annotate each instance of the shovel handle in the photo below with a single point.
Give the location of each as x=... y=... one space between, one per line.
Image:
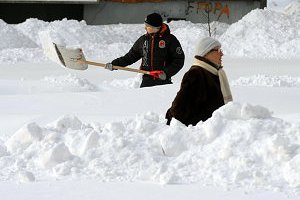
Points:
x=114 y=67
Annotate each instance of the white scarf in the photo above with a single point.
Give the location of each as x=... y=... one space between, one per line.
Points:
x=225 y=89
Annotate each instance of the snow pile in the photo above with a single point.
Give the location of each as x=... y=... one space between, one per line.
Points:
x=70 y=83
x=118 y=84
x=189 y=33
x=293 y=8
x=241 y=145
x=267 y=81
x=280 y=5
x=31 y=27
x=263 y=33
x=15 y=46
x=94 y=40
x=12 y=38
x=24 y=138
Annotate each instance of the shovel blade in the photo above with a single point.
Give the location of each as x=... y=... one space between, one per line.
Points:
x=70 y=57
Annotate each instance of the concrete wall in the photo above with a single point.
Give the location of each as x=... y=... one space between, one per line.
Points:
x=194 y=11
x=97 y=12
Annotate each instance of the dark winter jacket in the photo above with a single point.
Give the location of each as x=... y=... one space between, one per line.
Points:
x=199 y=96
x=159 y=51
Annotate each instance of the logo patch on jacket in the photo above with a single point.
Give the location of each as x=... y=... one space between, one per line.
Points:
x=179 y=50
x=162 y=44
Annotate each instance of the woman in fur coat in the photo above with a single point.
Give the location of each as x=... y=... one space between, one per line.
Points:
x=204 y=88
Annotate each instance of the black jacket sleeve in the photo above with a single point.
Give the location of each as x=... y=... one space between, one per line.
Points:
x=175 y=57
x=134 y=54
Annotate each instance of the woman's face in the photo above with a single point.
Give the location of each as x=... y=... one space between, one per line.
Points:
x=215 y=56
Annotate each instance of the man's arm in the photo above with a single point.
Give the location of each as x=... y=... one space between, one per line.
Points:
x=175 y=56
x=132 y=56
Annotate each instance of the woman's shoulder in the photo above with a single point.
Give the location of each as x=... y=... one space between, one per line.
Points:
x=196 y=72
x=196 y=69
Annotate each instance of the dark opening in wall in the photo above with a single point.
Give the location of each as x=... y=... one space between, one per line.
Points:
x=14 y=13
x=175 y=19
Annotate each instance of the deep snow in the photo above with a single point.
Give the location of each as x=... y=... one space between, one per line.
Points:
x=62 y=129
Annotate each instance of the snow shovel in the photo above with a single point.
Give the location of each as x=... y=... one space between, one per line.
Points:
x=74 y=59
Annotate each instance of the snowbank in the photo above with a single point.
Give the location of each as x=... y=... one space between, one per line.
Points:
x=259 y=34
x=12 y=38
x=263 y=33
x=241 y=145
x=293 y=8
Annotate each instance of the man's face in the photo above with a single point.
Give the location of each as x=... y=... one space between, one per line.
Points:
x=151 y=29
x=215 y=56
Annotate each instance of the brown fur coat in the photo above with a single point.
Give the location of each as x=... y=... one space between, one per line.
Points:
x=199 y=96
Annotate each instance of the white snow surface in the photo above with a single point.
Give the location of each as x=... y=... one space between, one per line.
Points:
x=267 y=80
x=68 y=134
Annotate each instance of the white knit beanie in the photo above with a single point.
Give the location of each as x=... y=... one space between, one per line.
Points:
x=205 y=45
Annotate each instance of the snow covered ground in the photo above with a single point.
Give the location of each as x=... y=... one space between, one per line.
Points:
x=93 y=134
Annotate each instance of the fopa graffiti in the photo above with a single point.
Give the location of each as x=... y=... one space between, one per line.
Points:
x=216 y=8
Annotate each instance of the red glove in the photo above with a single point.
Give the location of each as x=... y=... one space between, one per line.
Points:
x=156 y=73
